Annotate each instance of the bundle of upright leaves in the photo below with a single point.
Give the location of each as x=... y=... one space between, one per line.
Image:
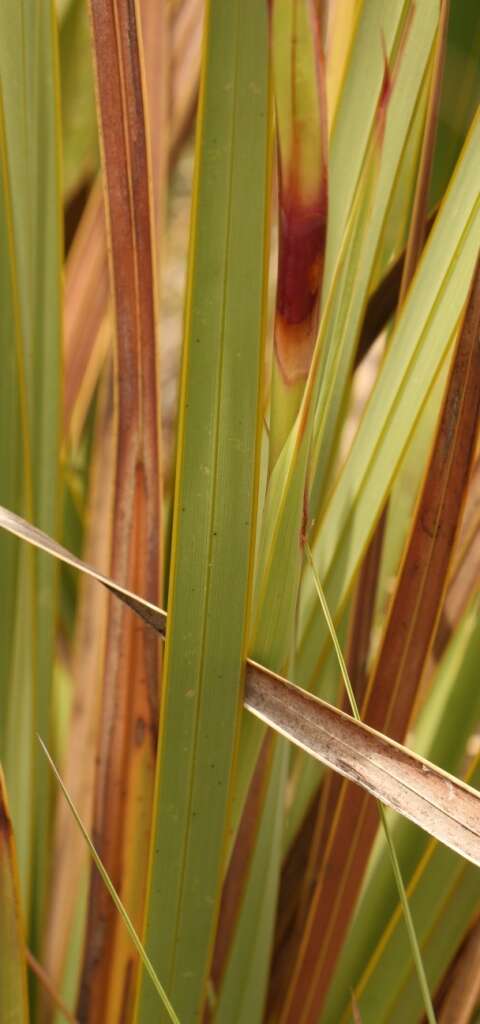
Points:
x=255 y=884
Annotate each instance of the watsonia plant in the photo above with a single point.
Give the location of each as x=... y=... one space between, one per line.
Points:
x=206 y=750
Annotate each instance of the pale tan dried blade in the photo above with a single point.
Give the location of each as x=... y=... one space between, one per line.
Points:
x=439 y=803
x=19 y=527
x=70 y=863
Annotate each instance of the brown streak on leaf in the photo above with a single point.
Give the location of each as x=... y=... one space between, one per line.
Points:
x=302 y=236
x=238 y=869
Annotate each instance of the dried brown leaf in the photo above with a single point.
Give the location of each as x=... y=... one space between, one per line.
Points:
x=126 y=752
x=87 y=324
x=444 y=806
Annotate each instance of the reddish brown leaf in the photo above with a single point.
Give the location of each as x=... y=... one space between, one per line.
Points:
x=125 y=763
x=87 y=328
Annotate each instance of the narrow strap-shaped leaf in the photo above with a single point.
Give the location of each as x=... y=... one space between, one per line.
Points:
x=437 y=801
x=30 y=180
x=366 y=589
x=215 y=502
x=87 y=337
x=127 y=743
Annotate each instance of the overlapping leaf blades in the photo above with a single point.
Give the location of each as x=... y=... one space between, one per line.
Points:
x=370 y=198
x=353 y=749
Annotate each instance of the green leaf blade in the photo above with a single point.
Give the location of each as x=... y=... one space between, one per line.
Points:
x=215 y=502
